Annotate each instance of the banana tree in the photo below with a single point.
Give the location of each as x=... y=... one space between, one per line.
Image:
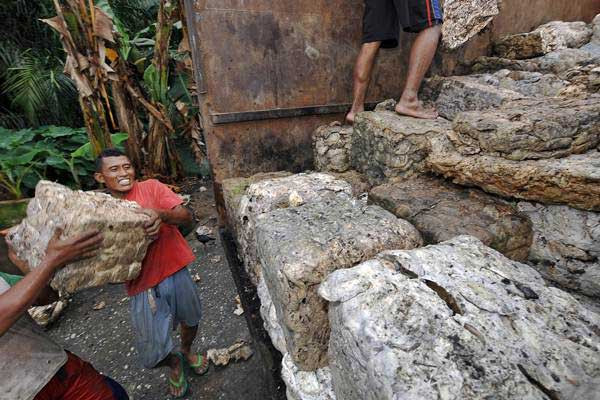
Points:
x=164 y=159
x=85 y=31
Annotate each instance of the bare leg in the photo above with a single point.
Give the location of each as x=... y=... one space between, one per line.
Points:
x=421 y=56
x=362 y=76
x=198 y=364
x=188 y=334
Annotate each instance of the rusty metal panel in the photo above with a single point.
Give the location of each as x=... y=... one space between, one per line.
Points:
x=276 y=60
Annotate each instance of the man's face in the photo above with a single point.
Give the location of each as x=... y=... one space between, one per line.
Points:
x=117 y=174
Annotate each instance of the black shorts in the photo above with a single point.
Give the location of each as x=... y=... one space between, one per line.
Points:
x=383 y=18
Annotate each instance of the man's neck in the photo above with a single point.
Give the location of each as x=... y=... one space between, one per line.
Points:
x=118 y=195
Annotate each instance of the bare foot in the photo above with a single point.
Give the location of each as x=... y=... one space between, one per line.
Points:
x=352 y=114
x=415 y=109
x=350 y=118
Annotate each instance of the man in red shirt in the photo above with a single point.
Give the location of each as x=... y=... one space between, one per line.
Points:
x=163 y=295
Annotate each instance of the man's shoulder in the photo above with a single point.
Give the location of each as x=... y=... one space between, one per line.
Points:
x=149 y=185
x=149 y=182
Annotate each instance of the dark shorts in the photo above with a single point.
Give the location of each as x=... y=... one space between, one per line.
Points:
x=383 y=18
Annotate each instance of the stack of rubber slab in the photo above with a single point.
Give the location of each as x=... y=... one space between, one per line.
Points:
x=356 y=304
x=457 y=320
x=514 y=133
x=293 y=231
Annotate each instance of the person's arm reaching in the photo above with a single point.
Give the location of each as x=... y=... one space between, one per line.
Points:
x=15 y=301
x=47 y=294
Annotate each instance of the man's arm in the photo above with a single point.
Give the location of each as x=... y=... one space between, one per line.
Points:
x=47 y=295
x=15 y=301
x=178 y=215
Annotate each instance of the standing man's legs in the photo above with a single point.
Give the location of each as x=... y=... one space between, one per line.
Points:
x=421 y=56
x=362 y=77
x=425 y=18
x=381 y=23
x=380 y=29
x=154 y=312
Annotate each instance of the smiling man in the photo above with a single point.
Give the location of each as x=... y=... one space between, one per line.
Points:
x=164 y=294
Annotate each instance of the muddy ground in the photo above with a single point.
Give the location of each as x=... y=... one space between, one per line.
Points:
x=104 y=337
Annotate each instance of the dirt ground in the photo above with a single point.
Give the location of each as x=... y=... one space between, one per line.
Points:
x=104 y=337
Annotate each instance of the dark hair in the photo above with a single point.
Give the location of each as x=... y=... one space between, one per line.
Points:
x=111 y=152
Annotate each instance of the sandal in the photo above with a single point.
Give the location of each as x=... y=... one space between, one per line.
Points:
x=200 y=367
x=182 y=380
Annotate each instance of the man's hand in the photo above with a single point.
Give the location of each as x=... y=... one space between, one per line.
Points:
x=152 y=226
x=61 y=252
x=15 y=301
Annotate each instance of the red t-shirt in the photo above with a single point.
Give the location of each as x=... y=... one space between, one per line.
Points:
x=170 y=252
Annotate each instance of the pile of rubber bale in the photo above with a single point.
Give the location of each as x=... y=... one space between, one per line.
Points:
x=450 y=258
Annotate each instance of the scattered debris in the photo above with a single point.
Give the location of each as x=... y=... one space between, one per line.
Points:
x=186 y=199
x=202 y=189
x=295 y=199
x=45 y=315
x=197 y=278
x=100 y=305
x=204 y=234
x=174 y=188
x=240 y=350
x=239 y=310
x=215 y=259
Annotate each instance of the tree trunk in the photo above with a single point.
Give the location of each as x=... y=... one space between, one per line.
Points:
x=129 y=122
x=127 y=116
x=84 y=42
x=95 y=123
x=163 y=160
x=193 y=123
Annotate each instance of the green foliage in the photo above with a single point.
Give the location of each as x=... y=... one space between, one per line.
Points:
x=34 y=92
x=51 y=152
x=135 y=15
x=38 y=89
x=135 y=20
x=21 y=25
x=33 y=89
